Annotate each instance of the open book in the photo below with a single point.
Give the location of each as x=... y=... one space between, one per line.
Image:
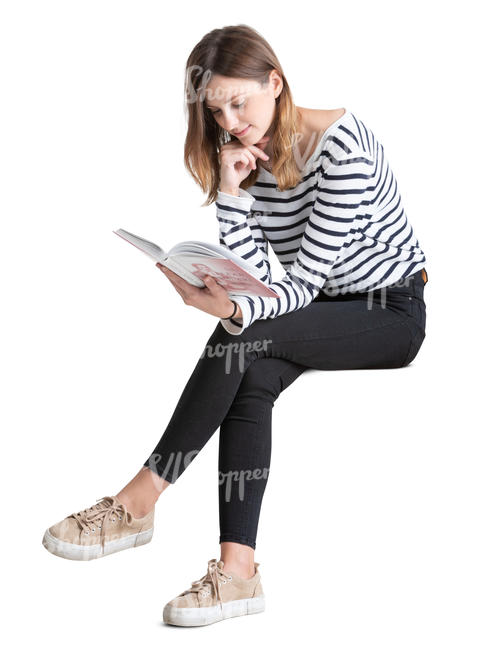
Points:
x=192 y=260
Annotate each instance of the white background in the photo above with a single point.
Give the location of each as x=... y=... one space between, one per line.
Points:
x=370 y=530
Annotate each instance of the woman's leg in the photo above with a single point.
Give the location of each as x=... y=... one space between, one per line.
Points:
x=244 y=459
x=245 y=447
x=245 y=442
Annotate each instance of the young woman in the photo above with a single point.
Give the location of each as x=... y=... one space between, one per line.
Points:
x=322 y=193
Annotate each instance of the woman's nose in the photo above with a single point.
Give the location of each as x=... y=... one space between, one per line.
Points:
x=230 y=125
x=230 y=121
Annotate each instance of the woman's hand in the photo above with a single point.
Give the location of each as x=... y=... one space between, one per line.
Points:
x=212 y=298
x=236 y=162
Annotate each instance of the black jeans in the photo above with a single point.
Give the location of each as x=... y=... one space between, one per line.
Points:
x=238 y=378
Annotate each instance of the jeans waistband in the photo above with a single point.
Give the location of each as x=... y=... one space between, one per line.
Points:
x=412 y=285
x=418 y=278
x=408 y=286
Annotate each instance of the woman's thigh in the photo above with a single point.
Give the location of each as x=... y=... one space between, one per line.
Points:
x=335 y=335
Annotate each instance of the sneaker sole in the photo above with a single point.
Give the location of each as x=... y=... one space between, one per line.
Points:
x=189 y=616
x=94 y=551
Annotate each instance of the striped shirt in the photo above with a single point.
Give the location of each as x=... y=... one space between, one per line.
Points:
x=341 y=229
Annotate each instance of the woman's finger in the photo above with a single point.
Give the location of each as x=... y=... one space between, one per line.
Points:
x=170 y=275
x=210 y=282
x=167 y=271
x=257 y=151
x=176 y=279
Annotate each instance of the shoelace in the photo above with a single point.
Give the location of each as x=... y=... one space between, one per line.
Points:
x=99 y=513
x=214 y=577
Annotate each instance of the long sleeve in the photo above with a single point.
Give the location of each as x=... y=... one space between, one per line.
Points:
x=240 y=232
x=343 y=196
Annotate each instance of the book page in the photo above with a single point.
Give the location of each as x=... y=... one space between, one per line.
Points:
x=146 y=246
x=213 y=250
x=176 y=265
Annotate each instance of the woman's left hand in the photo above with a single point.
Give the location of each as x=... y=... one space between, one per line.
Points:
x=212 y=298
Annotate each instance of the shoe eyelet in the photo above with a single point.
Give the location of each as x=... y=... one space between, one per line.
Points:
x=230 y=577
x=86 y=532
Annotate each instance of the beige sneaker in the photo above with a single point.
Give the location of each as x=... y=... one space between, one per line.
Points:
x=216 y=596
x=106 y=527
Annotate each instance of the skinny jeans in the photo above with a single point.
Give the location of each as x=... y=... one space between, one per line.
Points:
x=238 y=378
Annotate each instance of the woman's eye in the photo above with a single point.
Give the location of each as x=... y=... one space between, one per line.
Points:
x=233 y=106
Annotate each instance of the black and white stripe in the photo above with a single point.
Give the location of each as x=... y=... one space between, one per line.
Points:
x=342 y=229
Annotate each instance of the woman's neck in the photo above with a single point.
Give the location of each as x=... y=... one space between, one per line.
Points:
x=309 y=129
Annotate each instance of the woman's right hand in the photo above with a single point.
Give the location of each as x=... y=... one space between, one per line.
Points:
x=236 y=162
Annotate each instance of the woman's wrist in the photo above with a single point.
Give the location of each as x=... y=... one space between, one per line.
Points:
x=237 y=314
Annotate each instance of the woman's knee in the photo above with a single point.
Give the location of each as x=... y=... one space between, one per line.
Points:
x=266 y=378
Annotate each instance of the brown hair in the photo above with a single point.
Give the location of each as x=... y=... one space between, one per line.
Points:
x=237 y=51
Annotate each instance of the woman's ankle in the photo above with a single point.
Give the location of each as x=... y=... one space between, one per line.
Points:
x=141 y=493
x=137 y=508
x=238 y=559
x=241 y=571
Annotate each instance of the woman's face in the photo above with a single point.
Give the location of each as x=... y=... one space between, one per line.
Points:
x=237 y=104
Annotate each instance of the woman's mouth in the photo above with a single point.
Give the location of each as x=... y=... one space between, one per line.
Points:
x=242 y=132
